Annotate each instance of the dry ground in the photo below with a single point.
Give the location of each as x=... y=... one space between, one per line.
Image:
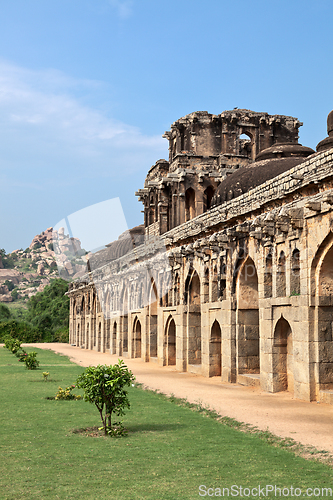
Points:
x=308 y=423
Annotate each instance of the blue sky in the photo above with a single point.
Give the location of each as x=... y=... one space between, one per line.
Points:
x=87 y=88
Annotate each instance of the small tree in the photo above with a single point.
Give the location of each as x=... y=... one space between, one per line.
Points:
x=104 y=386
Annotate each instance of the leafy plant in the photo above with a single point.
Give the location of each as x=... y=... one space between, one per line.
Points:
x=16 y=346
x=15 y=294
x=5 y=313
x=104 y=386
x=9 y=284
x=30 y=360
x=21 y=354
x=66 y=393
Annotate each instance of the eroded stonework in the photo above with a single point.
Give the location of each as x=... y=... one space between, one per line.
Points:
x=245 y=292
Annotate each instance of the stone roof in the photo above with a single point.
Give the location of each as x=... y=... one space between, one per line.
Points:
x=269 y=163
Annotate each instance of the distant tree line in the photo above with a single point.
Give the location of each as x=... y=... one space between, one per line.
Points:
x=45 y=320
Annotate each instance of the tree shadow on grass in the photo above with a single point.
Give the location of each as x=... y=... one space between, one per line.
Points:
x=154 y=427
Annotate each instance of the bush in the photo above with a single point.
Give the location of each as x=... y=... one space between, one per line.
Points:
x=62 y=335
x=104 y=386
x=66 y=394
x=30 y=360
x=4 y=312
x=9 y=284
x=19 y=330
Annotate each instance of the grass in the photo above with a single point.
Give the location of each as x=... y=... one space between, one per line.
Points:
x=170 y=451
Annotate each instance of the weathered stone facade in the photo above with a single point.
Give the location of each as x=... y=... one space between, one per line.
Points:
x=246 y=292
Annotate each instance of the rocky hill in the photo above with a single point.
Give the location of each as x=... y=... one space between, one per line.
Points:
x=23 y=273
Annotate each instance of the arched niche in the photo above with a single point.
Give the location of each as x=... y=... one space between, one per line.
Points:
x=114 y=338
x=192 y=294
x=190 y=210
x=283 y=371
x=208 y=196
x=137 y=338
x=268 y=276
x=215 y=350
x=170 y=341
x=281 y=276
x=247 y=333
x=152 y=318
x=295 y=279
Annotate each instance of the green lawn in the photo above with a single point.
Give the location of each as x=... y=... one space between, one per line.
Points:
x=170 y=450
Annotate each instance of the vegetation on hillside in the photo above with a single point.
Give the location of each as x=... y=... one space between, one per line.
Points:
x=45 y=319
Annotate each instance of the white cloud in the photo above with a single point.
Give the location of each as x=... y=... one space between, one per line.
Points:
x=124 y=7
x=44 y=121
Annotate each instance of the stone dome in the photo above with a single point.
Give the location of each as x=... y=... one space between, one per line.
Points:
x=328 y=142
x=330 y=123
x=284 y=150
x=270 y=162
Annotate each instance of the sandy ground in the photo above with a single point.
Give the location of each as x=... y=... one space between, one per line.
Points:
x=307 y=423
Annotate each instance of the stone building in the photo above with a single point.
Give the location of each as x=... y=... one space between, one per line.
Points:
x=245 y=288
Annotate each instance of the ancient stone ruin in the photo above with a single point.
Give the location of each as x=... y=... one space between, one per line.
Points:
x=232 y=273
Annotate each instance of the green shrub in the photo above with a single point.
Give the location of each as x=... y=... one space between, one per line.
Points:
x=16 y=346
x=21 y=354
x=62 y=335
x=66 y=393
x=19 y=330
x=9 y=284
x=30 y=360
x=4 y=312
x=104 y=386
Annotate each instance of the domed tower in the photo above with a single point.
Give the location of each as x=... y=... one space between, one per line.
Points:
x=328 y=142
x=204 y=149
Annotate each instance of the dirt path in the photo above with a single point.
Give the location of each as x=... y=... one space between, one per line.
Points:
x=280 y=413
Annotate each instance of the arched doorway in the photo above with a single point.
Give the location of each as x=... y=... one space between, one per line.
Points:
x=324 y=317
x=193 y=296
x=215 y=350
x=248 y=349
x=114 y=338
x=137 y=338
x=170 y=342
x=99 y=337
x=283 y=371
x=152 y=319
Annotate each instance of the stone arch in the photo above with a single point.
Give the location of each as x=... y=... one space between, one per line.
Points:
x=324 y=313
x=99 y=339
x=208 y=196
x=83 y=320
x=205 y=286
x=137 y=337
x=78 y=335
x=86 y=344
x=190 y=210
x=247 y=319
x=192 y=287
x=176 y=292
x=152 y=318
x=281 y=276
x=268 y=276
x=283 y=373
x=246 y=146
x=170 y=341
x=114 y=338
x=214 y=294
x=317 y=261
x=192 y=294
x=295 y=279
x=215 y=350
